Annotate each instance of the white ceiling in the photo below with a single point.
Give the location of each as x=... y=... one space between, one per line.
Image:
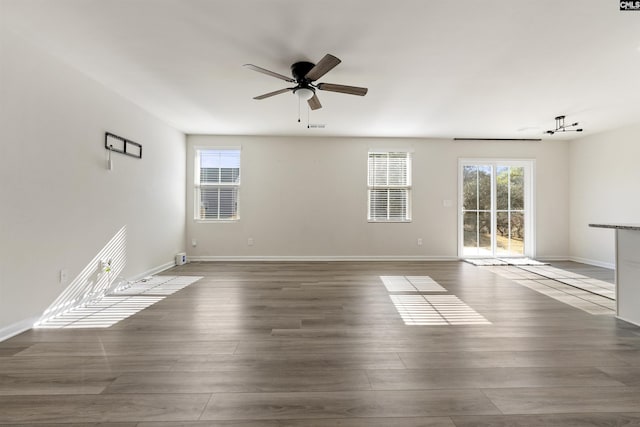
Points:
x=436 y=68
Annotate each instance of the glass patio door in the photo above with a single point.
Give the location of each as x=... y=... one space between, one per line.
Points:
x=495 y=205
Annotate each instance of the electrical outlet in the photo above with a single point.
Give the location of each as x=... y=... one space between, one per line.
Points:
x=419 y=241
x=64 y=275
x=250 y=241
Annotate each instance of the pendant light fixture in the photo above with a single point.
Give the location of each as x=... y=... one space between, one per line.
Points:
x=562 y=127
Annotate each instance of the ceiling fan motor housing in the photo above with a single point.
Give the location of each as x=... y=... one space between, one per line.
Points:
x=299 y=70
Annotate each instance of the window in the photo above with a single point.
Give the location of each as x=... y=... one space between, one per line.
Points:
x=389 y=184
x=217 y=184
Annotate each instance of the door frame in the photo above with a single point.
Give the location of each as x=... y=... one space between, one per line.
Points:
x=529 y=201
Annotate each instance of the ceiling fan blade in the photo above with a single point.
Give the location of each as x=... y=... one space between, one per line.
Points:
x=325 y=65
x=351 y=90
x=267 y=95
x=269 y=73
x=314 y=102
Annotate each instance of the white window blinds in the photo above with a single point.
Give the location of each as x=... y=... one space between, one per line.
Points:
x=217 y=184
x=389 y=182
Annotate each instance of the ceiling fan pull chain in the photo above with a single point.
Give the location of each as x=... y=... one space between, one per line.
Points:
x=298 y=110
x=308 y=109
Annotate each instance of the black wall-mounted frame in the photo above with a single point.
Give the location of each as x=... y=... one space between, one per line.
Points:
x=122 y=145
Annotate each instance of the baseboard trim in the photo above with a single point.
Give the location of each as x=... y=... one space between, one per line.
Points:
x=610 y=266
x=317 y=258
x=17 y=328
x=627 y=320
x=152 y=271
x=553 y=258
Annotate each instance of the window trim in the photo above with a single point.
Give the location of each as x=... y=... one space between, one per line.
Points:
x=197 y=185
x=408 y=187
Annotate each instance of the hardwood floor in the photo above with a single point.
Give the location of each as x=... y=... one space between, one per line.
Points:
x=322 y=344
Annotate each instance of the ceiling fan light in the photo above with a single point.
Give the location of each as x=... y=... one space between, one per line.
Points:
x=304 y=93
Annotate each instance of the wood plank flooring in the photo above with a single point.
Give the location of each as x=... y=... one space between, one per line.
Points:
x=322 y=344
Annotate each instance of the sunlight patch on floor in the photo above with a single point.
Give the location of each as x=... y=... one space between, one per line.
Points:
x=120 y=305
x=595 y=286
x=590 y=295
x=411 y=284
x=436 y=310
x=481 y=262
x=585 y=301
x=415 y=310
x=412 y=298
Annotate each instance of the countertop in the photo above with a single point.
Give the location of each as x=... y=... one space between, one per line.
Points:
x=618 y=226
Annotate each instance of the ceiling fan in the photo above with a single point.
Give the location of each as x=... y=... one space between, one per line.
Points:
x=304 y=75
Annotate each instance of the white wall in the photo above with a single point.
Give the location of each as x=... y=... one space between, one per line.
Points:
x=604 y=179
x=59 y=203
x=307 y=197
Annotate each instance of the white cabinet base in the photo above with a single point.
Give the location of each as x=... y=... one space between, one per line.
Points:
x=628 y=275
